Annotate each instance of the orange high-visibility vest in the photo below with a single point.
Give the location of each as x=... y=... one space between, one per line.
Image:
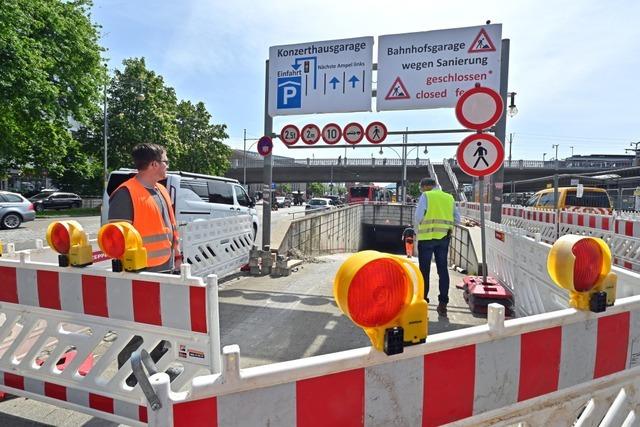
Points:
x=147 y=219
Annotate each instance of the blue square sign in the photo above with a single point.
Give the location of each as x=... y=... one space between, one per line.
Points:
x=289 y=92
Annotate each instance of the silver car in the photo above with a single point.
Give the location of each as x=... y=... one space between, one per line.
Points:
x=14 y=210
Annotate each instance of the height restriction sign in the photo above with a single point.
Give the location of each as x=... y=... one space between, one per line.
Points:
x=480 y=154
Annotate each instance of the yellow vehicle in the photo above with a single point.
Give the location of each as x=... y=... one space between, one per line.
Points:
x=592 y=199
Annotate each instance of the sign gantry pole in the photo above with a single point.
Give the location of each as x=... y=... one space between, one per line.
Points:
x=267 y=171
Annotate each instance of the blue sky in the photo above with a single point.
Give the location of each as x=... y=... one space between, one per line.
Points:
x=575 y=65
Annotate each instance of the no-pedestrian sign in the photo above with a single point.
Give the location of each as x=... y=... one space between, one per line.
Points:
x=480 y=154
x=433 y=69
x=376 y=132
x=265 y=145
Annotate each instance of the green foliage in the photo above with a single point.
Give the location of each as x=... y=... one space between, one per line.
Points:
x=413 y=189
x=141 y=108
x=342 y=190
x=50 y=74
x=285 y=188
x=316 y=188
x=202 y=150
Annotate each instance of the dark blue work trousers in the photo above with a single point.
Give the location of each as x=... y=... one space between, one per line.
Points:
x=439 y=248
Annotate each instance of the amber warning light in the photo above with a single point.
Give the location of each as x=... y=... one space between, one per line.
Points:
x=70 y=241
x=384 y=295
x=582 y=265
x=122 y=242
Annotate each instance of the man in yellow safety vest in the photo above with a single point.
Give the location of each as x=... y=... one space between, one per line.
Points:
x=436 y=214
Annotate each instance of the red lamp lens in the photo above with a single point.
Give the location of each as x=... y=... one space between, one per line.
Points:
x=588 y=265
x=377 y=293
x=60 y=239
x=113 y=242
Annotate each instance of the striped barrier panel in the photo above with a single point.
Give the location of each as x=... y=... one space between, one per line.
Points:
x=453 y=377
x=46 y=310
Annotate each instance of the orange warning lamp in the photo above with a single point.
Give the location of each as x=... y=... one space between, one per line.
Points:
x=582 y=265
x=70 y=241
x=121 y=241
x=384 y=295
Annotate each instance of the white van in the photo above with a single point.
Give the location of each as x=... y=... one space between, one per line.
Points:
x=194 y=196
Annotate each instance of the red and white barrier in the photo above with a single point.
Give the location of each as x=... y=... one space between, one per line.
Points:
x=452 y=377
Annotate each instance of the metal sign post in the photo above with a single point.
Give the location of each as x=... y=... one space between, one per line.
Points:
x=483 y=238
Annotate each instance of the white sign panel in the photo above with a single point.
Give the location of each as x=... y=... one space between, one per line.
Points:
x=321 y=77
x=433 y=69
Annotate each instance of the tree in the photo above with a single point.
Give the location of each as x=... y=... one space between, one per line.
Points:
x=50 y=77
x=285 y=188
x=342 y=190
x=202 y=149
x=316 y=189
x=413 y=189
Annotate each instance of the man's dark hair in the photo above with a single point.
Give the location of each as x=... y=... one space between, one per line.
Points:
x=427 y=181
x=145 y=153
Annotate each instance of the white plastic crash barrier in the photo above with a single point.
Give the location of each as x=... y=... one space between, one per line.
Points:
x=218 y=246
x=622 y=234
x=458 y=376
x=46 y=310
x=520 y=262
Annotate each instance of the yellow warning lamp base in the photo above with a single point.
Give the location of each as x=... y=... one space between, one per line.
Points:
x=135 y=259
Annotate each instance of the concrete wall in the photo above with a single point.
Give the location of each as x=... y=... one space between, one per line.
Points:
x=333 y=231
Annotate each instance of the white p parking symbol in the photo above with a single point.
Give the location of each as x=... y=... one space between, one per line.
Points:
x=289 y=92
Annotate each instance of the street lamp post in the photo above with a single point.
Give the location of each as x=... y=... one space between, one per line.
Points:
x=403 y=157
x=543 y=156
x=571 y=150
x=244 y=162
x=556 y=147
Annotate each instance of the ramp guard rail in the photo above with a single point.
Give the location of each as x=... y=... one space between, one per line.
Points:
x=454 y=180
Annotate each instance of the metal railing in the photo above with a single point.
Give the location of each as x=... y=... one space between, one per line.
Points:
x=462 y=253
x=454 y=180
x=376 y=162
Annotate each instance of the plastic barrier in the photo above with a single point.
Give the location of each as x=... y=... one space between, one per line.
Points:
x=46 y=307
x=219 y=245
x=476 y=372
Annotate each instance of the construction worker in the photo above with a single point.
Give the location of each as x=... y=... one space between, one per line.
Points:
x=436 y=214
x=146 y=204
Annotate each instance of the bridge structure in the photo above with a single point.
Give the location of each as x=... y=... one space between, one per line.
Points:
x=290 y=170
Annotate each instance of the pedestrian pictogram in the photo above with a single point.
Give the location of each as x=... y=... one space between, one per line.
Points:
x=310 y=134
x=265 y=145
x=479 y=108
x=480 y=154
x=376 y=132
x=290 y=134
x=353 y=133
x=482 y=43
x=397 y=90
x=331 y=133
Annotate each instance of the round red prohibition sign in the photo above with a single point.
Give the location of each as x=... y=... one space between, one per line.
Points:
x=265 y=145
x=480 y=154
x=479 y=108
x=353 y=133
x=331 y=133
x=310 y=134
x=376 y=132
x=290 y=134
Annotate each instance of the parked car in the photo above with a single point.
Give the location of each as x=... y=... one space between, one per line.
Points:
x=14 y=210
x=335 y=200
x=283 y=202
x=55 y=200
x=194 y=196
x=318 y=204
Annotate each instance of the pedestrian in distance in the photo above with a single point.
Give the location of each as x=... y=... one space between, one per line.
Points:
x=436 y=214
